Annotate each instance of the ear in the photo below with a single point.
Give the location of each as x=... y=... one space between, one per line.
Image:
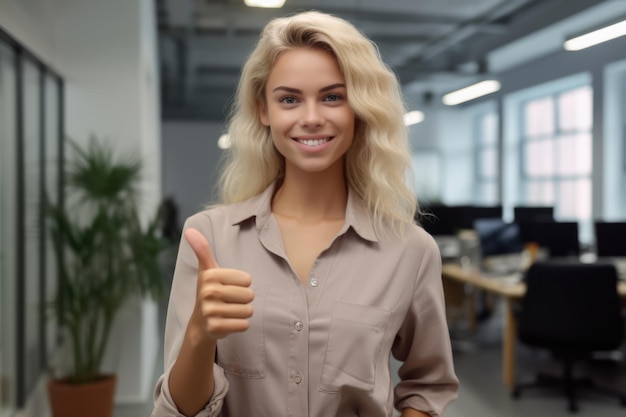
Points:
x=263 y=116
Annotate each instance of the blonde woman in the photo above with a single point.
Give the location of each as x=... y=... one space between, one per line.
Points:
x=289 y=297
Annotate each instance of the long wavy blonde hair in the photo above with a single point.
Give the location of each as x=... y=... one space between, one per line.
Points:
x=379 y=159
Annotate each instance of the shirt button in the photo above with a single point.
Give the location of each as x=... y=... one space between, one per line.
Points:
x=314 y=282
x=297 y=379
x=299 y=326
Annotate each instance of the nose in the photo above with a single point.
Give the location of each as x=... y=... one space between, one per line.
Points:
x=313 y=115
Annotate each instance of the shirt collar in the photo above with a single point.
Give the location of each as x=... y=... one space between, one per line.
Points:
x=260 y=207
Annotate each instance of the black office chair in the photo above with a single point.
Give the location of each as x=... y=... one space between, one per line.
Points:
x=573 y=310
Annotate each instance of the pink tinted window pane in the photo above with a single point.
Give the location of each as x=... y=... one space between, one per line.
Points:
x=573 y=154
x=488 y=163
x=539 y=117
x=539 y=193
x=539 y=159
x=489 y=129
x=575 y=109
x=574 y=201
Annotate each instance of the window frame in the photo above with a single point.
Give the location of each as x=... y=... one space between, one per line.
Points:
x=481 y=182
x=556 y=179
x=44 y=141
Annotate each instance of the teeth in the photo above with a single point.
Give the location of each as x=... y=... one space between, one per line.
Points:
x=313 y=142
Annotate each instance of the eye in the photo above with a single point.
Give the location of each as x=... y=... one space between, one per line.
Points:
x=333 y=97
x=288 y=100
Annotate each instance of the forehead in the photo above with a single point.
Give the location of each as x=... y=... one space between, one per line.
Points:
x=306 y=66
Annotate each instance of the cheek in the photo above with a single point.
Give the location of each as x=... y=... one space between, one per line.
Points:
x=276 y=138
x=350 y=118
x=351 y=123
x=278 y=120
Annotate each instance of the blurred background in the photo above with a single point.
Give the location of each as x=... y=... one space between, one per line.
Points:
x=543 y=125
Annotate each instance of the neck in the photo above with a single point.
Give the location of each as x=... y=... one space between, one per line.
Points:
x=311 y=197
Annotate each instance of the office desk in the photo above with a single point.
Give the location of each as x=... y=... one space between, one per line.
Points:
x=511 y=292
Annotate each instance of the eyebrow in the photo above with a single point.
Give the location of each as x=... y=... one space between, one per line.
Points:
x=322 y=90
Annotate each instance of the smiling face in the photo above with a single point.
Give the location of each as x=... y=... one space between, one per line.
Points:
x=306 y=108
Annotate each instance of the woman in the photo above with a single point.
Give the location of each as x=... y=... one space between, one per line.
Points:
x=288 y=299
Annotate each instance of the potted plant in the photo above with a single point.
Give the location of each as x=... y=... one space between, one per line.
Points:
x=105 y=257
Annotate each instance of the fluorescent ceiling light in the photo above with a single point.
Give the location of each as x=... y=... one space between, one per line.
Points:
x=413 y=118
x=472 y=92
x=273 y=4
x=595 y=37
x=224 y=141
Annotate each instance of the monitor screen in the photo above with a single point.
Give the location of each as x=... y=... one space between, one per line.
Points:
x=533 y=213
x=610 y=239
x=439 y=220
x=471 y=213
x=498 y=237
x=559 y=238
x=448 y=220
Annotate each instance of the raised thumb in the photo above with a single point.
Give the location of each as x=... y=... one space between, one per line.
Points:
x=201 y=248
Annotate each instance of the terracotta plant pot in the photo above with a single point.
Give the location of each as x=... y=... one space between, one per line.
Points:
x=94 y=399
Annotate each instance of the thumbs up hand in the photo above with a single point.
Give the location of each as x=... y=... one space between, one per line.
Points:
x=223 y=295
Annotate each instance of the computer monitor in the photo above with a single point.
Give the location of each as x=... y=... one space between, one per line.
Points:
x=468 y=214
x=439 y=219
x=497 y=237
x=610 y=239
x=559 y=238
x=533 y=214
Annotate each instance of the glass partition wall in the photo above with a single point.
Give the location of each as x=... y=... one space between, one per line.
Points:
x=31 y=154
x=8 y=114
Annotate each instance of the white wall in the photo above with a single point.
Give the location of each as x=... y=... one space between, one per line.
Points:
x=447 y=130
x=105 y=51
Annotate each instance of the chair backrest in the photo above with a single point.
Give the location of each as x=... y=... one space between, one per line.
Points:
x=571 y=306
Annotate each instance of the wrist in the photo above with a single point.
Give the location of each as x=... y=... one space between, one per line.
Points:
x=410 y=412
x=197 y=335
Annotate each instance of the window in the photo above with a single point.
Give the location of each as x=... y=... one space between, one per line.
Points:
x=557 y=153
x=487 y=157
x=8 y=329
x=31 y=129
x=427 y=181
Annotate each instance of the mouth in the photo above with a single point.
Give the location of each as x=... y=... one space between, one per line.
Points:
x=317 y=141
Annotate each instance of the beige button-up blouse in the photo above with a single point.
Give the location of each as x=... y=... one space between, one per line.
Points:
x=320 y=349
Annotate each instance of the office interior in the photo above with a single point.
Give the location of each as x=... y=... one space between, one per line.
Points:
x=553 y=135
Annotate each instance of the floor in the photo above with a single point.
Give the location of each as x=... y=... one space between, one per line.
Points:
x=478 y=366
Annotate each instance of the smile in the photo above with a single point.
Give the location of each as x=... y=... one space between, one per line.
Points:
x=313 y=142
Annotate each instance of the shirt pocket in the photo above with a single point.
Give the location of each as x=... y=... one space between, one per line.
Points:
x=243 y=353
x=356 y=336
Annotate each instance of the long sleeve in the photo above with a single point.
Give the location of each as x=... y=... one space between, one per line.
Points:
x=182 y=299
x=428 y=382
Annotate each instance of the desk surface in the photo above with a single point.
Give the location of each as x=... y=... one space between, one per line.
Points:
x=506 y=286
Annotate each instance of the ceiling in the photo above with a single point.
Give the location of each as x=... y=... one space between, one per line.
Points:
x=432 y=45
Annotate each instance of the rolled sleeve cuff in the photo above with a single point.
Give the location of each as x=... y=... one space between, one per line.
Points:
x=432 y=400
x=164 y=405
